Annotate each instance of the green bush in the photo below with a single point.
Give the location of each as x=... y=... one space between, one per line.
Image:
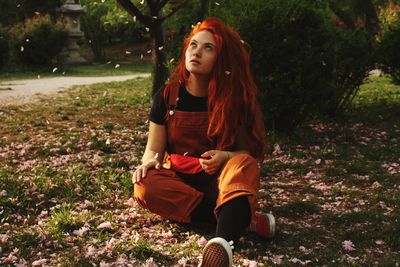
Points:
x=4 y=48
x=354 y=55
x=302 y=63
x=39 y=41
x=389 y=56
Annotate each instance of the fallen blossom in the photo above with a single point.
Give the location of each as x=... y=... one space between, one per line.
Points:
x=131 y=202
x=104 y=264
x=40 y=262
x=379 y=242
x=202 y=241
x=347 y=245
x=81 y=231
x=249 y=263
x=150 y=262
x=104 y=226
x=182 y=262
x=4 y=238
x=376 y=185
x=3 y=193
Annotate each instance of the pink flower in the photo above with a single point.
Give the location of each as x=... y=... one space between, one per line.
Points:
x=131 y=202
x=150 y=262
x=376 y=185
x=348 y=245
x=104 y=226
x=40 y=262
x=21 y=263
x=81 y=231
x=202 y=241
x=182 y=262
x=4 y=238
x=91 y=252
x=249 y=263
x=3 y=193
x=104 y=264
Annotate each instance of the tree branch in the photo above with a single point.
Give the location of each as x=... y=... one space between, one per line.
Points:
x=343 y=16
x=162 y=3
x=176 y=9
x=129 y=7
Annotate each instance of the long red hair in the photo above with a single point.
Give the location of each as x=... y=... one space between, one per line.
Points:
x=232 y=93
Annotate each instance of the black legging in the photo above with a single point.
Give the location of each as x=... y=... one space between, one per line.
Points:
x=233 y=217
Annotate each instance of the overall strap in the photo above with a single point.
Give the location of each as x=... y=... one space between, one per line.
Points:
x=173 y=98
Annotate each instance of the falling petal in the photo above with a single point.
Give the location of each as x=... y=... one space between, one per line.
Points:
x=38 y=76
x=227 y=72
x=155 y=17
x=27 y=40
x=117 y=66
x=142 y=2
x=148 y=51
x=147 y=29
x=217 y=3
x=90 y=41
x=185 y=153
x=156 y=155
x=160 y=48
x=134 y=18
x=128 y=52
x=63 y=73
x=22 y=49
x=172 y=60
x=242 y=41
x=109 y=62
x=55 y=69
x=141 y=56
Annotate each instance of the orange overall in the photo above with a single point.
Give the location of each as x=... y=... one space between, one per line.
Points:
x=174 y=195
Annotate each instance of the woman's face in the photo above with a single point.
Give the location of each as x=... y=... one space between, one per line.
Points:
x=201 y=53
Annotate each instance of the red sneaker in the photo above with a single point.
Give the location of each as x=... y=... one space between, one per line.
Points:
x=217 y=253
x=263 y=225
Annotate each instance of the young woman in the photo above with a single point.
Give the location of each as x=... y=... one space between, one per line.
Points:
x=205 y=137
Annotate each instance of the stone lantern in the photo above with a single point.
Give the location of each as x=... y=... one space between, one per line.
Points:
x=70 y=13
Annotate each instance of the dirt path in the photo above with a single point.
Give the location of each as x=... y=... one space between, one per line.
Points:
x=24 y=91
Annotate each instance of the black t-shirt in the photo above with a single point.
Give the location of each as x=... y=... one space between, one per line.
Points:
x=187 y=102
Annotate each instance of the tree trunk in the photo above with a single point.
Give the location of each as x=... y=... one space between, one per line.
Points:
x=160 y=70
x=343 y=16
x=203 y=9
x=371 y=18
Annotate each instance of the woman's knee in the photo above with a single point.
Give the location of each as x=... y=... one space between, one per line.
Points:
x=243 y=161
x=147 y=188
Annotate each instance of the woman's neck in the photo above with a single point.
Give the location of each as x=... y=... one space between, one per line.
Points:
x=197 y=86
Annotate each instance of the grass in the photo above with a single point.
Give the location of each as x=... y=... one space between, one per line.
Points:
x=65 y=170
x=107 y=69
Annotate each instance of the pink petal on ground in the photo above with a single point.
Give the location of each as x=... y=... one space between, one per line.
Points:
x=348 y=245
x=202 y=241
x=104 y=225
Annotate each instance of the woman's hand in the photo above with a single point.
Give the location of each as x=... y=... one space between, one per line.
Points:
x=216 y=161
x=141 y=171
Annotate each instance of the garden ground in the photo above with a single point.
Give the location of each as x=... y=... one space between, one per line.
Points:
x=65 y=186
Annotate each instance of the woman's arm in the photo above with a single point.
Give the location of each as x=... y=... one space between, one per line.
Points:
x=219 y=158
x=154 y=152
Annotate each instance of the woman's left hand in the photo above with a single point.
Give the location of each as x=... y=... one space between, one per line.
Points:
x=216 y=161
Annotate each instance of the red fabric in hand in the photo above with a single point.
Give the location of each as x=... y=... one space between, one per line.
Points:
x=185 y=164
